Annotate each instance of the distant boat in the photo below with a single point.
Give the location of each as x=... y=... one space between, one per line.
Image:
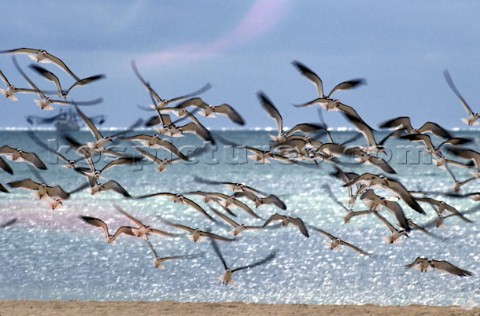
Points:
x=66 y=120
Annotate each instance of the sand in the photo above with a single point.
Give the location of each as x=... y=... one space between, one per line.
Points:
x=39 y=308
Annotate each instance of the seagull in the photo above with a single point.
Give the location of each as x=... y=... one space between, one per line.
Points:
x=392 y=185
x=465 y=153
x=159 y=102
x=42 y=191
x=258 y=200
x=441 y=207
x=158 y=261
x=170 y=129
x=337 y=242
x=423 y=264
x=127 y=230
x=18 y=155
x=367 y=131
x=143 y=230
x=92 y=173
x=225 y=201
x=472 y=117
x=287 y=220
x=161 y=163
x=374 y=202
x=325 y=101
x=69 y=163
x=273 y=112
x=10 y=91
x=234 y=186
x=226 y=278
x=197 y=235
x=45 y=103
x=180 y=199
x=363 y=157
x=41 y=56
x=395 y=233
x=403 y=123
x=110 y=185
x=237 y=228
x=157 y=143
x=210 y=110
x=52 y=77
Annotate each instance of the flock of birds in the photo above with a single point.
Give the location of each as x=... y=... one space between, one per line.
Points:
x=305 y=144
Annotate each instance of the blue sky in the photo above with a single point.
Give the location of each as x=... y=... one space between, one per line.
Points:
x=241 y=47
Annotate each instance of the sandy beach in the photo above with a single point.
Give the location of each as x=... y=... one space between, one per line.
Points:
x=53 y=308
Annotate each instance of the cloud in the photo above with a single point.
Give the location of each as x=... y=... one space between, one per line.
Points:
x=260 y=19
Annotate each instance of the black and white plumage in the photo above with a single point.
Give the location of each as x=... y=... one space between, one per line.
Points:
x=403 y=123
x=211 y=110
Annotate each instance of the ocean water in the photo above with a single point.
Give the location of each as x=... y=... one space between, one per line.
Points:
x=53 y=255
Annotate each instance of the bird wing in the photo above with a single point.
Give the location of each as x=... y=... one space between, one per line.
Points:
x=48 y=75
x=26 y=184
x=5 y=80
x=58 y=192
x=271 y=111
x=218 y=252
x=127 y=230
x=197 y=207
x=450 y=268
x=321 y=231
x=349 y=84
x=297 y=221
x=163 y=233
x=86 y=81
x=363 y=128
x=5 y=166
x=33 y=159
x=130 y=217
x=93 y=129
x=120 y=162
x=57 y=61
x=397 y=210
x=450 y=83
x=416 y=264
x=354 y=248
x=215 y=236
x=384 y=221
x=225 y=218
x=147 y=155
x=96 y=222
x=275 y=200
x=310 y=75
x=230 y=112
x=7 y=150
x=403 y=122
x=402 y=191
x=257 y=263
x=206 y=87
x=115 y=186
x=274 y=217
x=435 y=129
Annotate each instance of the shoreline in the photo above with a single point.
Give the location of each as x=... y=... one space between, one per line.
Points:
x=93 y=308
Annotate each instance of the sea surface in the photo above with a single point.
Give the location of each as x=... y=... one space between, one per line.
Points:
x=53 y=255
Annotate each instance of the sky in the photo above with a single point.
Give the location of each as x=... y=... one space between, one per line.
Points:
x=242 y=47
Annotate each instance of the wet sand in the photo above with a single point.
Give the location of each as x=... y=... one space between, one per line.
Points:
x=19 y=308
